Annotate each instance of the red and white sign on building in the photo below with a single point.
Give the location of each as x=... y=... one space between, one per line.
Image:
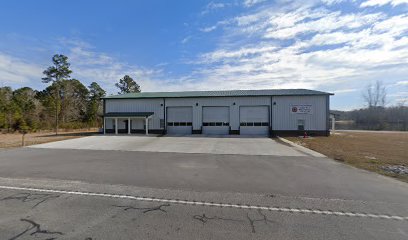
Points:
x=301 y=109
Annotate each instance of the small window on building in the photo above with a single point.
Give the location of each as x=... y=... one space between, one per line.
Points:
x=212 y=123
x=225 y=124
x=170 y=124
x=176 y=124
x=183 y=124
x=265 y=124
x=250 y=124
x=257 y=124
x=189 y=124
x=205 y=124
x=301 y=124
x=218 y=124
x=242 y=124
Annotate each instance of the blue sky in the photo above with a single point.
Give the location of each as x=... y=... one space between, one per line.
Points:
x=338 y=46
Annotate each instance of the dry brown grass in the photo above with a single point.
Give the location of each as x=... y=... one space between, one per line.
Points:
x=10 y=140
x=367 y=150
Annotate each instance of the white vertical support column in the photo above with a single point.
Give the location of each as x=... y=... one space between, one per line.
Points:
x=147 y=126
x=104 y=125
x=333 y=124
x=116 y=125
x=128 y=125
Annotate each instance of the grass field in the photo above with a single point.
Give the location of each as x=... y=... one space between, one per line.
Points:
x=10 y=140
x=366 y=150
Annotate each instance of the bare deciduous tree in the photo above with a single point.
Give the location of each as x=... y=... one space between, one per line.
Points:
x=375 y=95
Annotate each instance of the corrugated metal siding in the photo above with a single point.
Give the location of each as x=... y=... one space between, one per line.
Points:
x=138 y=123
x=138 y=105
x=109 y=123
x=284 y=119
x=219 y=101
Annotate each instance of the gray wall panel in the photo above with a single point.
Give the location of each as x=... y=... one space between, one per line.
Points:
x=138 y=105
x=284 y=119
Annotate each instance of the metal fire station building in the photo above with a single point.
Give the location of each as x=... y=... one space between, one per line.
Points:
x=245 y=112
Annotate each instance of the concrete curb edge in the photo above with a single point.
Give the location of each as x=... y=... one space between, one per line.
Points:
x=302 y=149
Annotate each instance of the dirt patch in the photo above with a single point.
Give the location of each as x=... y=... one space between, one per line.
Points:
x=368 y=150
x=11 y=140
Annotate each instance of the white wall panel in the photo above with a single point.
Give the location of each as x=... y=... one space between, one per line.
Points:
x=284 y=119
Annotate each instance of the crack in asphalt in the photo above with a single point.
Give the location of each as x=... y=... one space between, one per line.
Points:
x=213 y=204
x=31 y=197
x=204 y=219
x=37 y=229
x=253 y=221
x=145 y=210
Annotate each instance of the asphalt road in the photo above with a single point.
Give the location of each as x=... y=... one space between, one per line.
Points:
x=284 y=197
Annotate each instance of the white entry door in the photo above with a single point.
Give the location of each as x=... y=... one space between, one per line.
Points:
x=254 y=120
x=216 y=120
x=179 y=120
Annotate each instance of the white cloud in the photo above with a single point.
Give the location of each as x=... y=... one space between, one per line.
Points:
x=400 y=97
x=217 y=25
x=252 y=18
x=223 y=55
x=375 y=3
x=212 y=6
x=395 y=25
x=16 y=71
x=338 y=38
x=327 y=23
x=291 y=45
x=402 y=83
x=331 y=2
x=209 y=29
x=250 y=3
x=305 y=46
x=186 y=39
x=342 y=91
x=90 y=65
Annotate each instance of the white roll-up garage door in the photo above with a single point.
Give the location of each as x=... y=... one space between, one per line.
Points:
x=254 y=120
x=179 y=120
x=216 y=120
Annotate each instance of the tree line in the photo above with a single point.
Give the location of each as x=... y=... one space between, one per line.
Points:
x=65 y=103
x=377 y=115
x=393 y=118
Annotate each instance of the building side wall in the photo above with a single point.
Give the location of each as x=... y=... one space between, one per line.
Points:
x=138 y=105
x=284 y=119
